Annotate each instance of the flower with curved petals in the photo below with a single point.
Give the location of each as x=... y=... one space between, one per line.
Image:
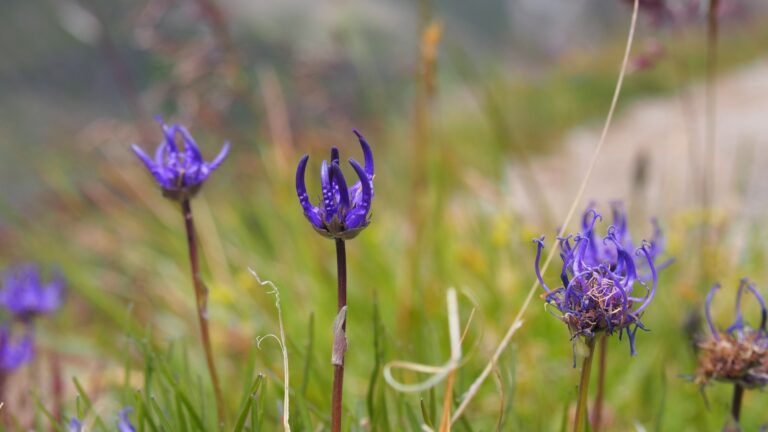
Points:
x=345 y=211
x=597 y=292
x=180 y=172
x=740 y=353
x=25 y=295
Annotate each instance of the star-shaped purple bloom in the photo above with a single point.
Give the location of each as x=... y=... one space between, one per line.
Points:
x=597 y=294
x=345 y=211
x=180 y=172
x=25 y=295
x=14 y=353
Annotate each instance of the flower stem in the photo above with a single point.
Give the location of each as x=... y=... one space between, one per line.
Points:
x=597 y=417
x=338 y=367
x=201 y=299
x=581 y=405
x=738 y=395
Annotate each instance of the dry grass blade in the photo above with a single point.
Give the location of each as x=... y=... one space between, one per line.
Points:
x=281 y=341
x=518 y=321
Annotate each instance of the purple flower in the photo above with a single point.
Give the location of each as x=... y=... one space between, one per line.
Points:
x=123 y=422
x=740 y=353
x=599 y=278
x=75 y=425
x=179 y=172
x=605 y=252
x=345 y=210
x=14 y=353
x=25 y=295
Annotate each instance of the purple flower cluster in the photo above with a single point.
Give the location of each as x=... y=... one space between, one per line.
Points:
x=24 y=296
x=180 y=172
x=600 y=277
x=345 y=211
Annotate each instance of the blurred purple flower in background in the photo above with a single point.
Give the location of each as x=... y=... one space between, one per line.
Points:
x=25 y=294
x=179 y=172
x=123 y=422
x=74 y=425
x=599 y=277
x=740 y=353
x=14 y=353
x=345 y=210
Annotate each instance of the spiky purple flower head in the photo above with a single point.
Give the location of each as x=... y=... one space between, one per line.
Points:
x=14 y=352
x=25 y=294
x=740 y=353
x=180 y=172
x=345 y=211
x=600 y=282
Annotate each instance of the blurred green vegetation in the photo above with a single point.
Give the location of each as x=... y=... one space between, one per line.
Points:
x=128 y=332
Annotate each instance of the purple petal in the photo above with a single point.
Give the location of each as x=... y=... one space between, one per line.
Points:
x=654 y=277
x=153 y=168
x=359 y=213
x=339 y=180
x=190 y=147
x=310 y=212
x=220 y=157
x=329 y=197
x=763 y=310
x=367 y=153
x=170 y=136
x=540 y=245
x=334 y=155
x=707 y=314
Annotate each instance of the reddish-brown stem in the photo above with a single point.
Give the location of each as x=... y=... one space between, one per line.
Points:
x=597 y=417
x=338 y=369
x=738 y=396
x=201 y=299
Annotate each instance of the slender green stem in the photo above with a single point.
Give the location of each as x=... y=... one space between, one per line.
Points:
x=338 y=369
x=581 y=405
x=597 y=417
x=738 y=396
x=201 y=299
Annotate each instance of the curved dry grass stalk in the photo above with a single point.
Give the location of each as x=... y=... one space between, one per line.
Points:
x=280 y=341
x=518 y=321
x=439 y=373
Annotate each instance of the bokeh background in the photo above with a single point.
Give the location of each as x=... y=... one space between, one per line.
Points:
x=482 y=116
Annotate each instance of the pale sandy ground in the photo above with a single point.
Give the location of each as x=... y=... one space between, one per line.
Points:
x=668 y=131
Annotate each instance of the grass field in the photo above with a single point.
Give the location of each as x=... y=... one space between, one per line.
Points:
x=127 y=334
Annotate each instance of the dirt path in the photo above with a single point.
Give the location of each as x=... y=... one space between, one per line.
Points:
x=666 y=134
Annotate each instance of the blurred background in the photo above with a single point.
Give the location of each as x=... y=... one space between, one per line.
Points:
x=482 y=116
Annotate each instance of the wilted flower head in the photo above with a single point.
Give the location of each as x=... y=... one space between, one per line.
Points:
x=345 y=210
x=25 y=294
x=740 y=353
x=123 y=422
x=180 y=172
x=14 y=353
x=598 y=291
